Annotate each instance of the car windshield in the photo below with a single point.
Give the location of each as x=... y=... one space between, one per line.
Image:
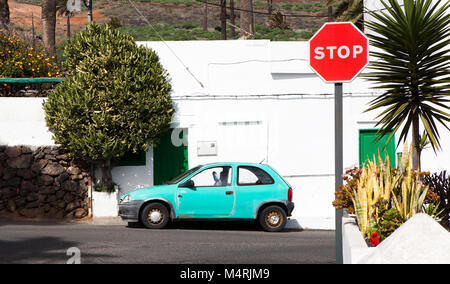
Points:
x=183 y=175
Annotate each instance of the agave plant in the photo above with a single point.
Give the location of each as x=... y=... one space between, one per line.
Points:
x=400 y=188
x=409 y=196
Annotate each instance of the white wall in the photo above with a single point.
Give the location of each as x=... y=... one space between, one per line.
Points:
x=259 y=101
x=22 y=122
x=248 y=82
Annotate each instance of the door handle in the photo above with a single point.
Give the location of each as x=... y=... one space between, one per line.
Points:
x=229 y=193
x=179 y=195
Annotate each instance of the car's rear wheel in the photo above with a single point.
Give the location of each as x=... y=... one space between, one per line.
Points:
x=273 y=218
x=155 y=216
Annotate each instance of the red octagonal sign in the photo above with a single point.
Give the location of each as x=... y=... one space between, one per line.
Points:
x=338 y=52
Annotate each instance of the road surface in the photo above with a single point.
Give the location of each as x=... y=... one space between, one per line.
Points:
x=181 y=243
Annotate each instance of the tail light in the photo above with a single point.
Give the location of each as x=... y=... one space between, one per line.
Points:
x=290 y=194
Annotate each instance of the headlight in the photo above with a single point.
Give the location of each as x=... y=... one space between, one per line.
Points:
x=126 y=199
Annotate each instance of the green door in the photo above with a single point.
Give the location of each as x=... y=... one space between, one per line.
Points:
x=170 y=160
x=368 y=146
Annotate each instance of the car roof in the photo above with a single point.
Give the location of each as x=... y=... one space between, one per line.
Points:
x=235 y=164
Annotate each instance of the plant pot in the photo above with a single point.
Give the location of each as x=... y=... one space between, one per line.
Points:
x=354 y=247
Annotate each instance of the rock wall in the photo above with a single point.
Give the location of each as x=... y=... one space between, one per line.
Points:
x=42 y=182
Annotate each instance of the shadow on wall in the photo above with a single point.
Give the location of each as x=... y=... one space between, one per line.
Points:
x=132 y=177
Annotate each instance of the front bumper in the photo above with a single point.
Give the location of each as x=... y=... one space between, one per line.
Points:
x=129 y=211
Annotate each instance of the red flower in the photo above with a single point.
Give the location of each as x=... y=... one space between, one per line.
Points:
x=374 y=239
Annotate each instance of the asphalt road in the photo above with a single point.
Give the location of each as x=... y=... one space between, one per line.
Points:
x=181 y=243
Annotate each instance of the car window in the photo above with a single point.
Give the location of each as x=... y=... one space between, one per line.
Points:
x=183 y=175
x=217 y=176
x=248 y=175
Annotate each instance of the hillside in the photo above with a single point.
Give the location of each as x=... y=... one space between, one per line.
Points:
x=177 y=19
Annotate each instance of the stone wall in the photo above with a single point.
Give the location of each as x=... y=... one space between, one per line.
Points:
x=42 y=182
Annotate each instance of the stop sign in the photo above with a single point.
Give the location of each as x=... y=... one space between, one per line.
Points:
x=338 y=52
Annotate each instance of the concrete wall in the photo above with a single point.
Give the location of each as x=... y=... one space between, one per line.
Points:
x=22 y=122
x=354 y=247
x=420 y=240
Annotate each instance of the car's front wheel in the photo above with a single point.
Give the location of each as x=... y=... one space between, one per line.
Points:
x=155 y=216
x=273 y=218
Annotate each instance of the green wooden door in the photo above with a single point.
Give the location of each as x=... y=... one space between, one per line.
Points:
x=368 y=147
x=169 y=160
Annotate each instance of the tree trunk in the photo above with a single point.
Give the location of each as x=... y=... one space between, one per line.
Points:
x=232 y=20
x=4 y=14
x=49 y=25
x=416 y=151
x=205 y=16
x=90 y=15
x=246 y=18
x=105 y=168
x=223 y=19
x=68 y=26
x=269 y=7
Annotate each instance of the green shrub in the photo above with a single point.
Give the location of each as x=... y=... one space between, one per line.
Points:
x=115 y=99
x=287 y=6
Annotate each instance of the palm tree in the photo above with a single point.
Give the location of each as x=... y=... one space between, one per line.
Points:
x=412 y=68
x=4 y=14
x=48 y=16
x=223 y=19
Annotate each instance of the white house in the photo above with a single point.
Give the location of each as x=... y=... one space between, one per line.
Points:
x=258 y=101
x=254 y=101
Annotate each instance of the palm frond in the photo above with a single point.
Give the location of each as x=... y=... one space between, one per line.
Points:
x=411 y=66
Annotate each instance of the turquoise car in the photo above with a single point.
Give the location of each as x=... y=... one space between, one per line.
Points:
x=213 y=191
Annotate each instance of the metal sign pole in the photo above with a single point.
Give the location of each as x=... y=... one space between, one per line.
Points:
x=338 y=164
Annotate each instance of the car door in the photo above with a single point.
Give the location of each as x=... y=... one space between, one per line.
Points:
x=212 y=194
x=254 y=186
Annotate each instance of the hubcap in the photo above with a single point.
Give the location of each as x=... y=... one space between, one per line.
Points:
x=274 y=219
x=155 y=216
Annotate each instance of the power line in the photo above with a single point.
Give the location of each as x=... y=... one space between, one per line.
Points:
x=287 y=96
x=165 y=43
x=291 y=15
x=258 y=60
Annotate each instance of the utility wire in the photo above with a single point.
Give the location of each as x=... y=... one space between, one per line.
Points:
x=291 y=15
x=201 y=96
x=165 y=43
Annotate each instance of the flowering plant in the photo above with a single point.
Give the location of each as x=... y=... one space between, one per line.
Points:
x=374 y=239
x=383 y=198
x=19 y=60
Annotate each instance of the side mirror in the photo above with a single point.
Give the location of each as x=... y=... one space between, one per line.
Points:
x=189 y=183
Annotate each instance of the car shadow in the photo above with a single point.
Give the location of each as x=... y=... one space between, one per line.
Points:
x=210 y=225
